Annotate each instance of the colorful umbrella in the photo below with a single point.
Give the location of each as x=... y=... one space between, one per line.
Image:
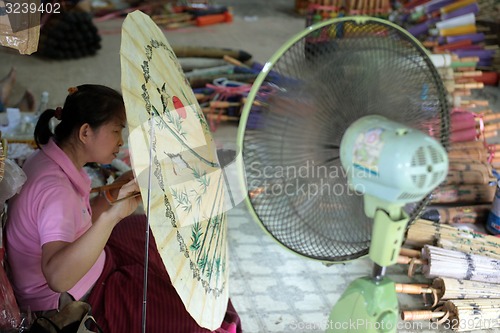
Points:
x=175 y=162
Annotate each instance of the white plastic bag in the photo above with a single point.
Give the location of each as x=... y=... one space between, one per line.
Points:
x=13 y=179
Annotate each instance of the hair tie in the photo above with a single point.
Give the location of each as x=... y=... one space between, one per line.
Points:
x=58 y=113
x=72 y=90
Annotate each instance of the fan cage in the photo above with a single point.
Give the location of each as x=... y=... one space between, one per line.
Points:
x=310 y=91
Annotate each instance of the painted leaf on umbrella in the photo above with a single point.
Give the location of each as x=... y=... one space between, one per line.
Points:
x=196 y=233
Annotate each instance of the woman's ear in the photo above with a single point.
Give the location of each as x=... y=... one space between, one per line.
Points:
x=85 y=133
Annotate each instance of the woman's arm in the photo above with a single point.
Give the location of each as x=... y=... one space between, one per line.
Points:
x=98 y=204
x=64 y=264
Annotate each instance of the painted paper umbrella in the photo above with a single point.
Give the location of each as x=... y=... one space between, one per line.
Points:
x=175 y=162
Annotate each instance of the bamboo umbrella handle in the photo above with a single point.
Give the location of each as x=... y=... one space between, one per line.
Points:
x=223 y=104
x=403 y=260
x=412 y=289
x=460 y=93
x=256 y=103
x=474 y=102
x=234 y=61
x=408 y=260
x=417 y=289
x=421 y=315
x=490 y=117
x=491 y=127
x=410 y=252
x=490 y=134
x=412 y=262
x=201 y=97
x=467 y=74
x=466 y=59
x=469 y=85
x=221 y=117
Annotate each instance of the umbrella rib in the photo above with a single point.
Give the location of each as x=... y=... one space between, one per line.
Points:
x=212 y=164
x=218 y=234
x=218 y=247
x=211 y=215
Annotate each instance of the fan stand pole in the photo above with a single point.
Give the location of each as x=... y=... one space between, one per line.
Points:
x=378 y=271
x=146 y=246
x=370 y=304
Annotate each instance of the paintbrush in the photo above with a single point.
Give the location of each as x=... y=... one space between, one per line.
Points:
x=131 y=195
x=116 y=185
x=108 y=187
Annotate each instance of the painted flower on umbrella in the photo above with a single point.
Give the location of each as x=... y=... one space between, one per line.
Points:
x=179 y=107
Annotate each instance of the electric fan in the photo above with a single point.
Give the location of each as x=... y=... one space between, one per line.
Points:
x=343 y=139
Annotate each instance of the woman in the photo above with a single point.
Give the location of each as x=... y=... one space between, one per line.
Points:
x=60 y=244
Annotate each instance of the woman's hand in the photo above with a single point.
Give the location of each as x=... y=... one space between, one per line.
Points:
x=127 y=206
x=122 y=179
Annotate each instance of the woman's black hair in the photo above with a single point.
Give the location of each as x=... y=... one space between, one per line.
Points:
x=87 y=104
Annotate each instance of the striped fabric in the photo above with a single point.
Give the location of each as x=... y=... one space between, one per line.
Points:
x=117 y=296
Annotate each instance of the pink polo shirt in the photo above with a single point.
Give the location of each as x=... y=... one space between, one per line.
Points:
x=53 y=205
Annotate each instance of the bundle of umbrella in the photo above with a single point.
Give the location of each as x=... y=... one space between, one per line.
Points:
x=221 y=78
x=179 y=16
x=448 y=246
x=468 y=192
x=461 y=266
x=320 y=10
x=455 y=27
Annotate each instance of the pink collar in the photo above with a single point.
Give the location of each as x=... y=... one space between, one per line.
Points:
x=78 y=178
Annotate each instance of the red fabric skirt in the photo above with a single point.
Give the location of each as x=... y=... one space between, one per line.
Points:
x=117 y=297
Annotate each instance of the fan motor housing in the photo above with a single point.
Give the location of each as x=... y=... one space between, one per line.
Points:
x=391 y=161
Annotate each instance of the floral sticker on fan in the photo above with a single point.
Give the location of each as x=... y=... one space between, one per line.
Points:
x=367 y=149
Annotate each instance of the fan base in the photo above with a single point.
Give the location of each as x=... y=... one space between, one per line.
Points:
x=368 y=306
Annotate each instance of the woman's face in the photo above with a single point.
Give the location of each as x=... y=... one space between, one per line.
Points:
x=108 y=140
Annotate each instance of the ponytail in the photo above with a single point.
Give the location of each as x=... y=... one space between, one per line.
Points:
x=86 y=104
x=42 y=131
